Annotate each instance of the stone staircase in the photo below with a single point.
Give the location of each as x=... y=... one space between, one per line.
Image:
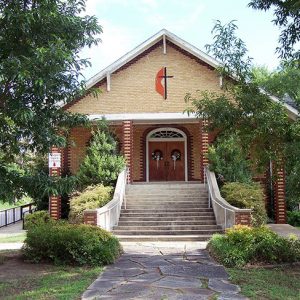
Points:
x=166 y=212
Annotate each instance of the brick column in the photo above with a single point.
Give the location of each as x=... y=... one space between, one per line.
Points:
x=55 y=201
x=279 y=195
x=203 y=147
x=127 y=133
x=264 y=181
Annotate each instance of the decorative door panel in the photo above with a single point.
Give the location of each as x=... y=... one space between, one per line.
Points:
x=176 y=159
x=157 y=159
x=166 y=161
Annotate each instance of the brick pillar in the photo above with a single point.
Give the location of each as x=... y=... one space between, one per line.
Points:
x=279 y=194
x=55 y=201
x=263 y=181
x=203 y=146
x=127 y=133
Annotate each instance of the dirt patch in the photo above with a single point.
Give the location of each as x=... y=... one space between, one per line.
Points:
x=13 y=266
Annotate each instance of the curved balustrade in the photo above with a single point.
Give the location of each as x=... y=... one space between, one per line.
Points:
x=108 y=215
x=226 y=214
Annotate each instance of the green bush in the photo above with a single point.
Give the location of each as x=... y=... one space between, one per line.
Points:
x=293 y=217
x=255 y=245
x=102 y=163
x=244 y=195
x=37 y=218
x=64 y=243
x=91 y=197
x=228 y=160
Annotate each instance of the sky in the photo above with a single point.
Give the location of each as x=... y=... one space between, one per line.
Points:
x=128 y=23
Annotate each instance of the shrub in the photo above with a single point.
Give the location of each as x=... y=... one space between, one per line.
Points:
x=102 y=163
x=228 y=160
x=293 y=217
x=244 y=195
x=241 y=245
x=91 y=197
x=37 y=218
x=64 y=243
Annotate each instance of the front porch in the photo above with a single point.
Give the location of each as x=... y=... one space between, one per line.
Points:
x=162 y=147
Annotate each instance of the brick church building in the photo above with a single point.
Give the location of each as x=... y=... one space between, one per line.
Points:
x=143 y=99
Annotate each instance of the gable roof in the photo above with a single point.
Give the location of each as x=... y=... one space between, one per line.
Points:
x=159 y=36
x=164 y=36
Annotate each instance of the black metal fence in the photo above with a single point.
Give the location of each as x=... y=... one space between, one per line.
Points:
x=15 y=214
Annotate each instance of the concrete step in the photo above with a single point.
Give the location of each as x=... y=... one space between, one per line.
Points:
x=164 y=206
x=164 y=238
x=162 y=222
x=167 y=210
x=167 y=199
x=162 y=198
x=167 y=185
x=165 y=232
x=179 y=218
x=159 y=202
x=170 y=215
x=164 y=191
x=162 y=227
x=160 y=191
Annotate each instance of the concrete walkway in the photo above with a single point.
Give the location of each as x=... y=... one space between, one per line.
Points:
x=13 y=229
x=163 y=271
x=285 y=230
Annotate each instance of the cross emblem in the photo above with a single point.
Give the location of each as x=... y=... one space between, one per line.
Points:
x=162 y=89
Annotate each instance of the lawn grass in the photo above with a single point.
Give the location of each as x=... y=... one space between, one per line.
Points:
x=61 y=283
x=6 y=205
x=16 y=238
x=280 y=283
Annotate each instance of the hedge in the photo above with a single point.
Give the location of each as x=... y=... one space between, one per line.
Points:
x=246 y=195
x=242 y=245
x=94 y=196
x=72 y=244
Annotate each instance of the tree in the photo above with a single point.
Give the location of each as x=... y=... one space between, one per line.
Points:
x=283 y=82
x=228 y=160
x=40 y=70
x=261 y=125
x=102 y=163
x=287 y=17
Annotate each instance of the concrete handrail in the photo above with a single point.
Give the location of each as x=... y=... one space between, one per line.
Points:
x=225 y=213
x=108 y=215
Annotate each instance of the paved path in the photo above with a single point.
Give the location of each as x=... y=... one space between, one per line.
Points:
x=11 y=246
x=285 y=230
x=164 y=271
x=13 y=229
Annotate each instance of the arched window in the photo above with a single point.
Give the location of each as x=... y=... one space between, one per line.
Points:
x=166 y=134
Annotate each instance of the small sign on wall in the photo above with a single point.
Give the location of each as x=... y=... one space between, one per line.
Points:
x=54 y=160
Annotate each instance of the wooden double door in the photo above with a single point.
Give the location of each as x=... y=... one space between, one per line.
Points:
x=166 y=161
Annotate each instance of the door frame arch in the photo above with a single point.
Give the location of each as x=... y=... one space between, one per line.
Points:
x=178 y=139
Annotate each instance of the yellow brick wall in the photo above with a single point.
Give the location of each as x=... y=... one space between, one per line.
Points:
x=133 y=91
x=133 y=88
